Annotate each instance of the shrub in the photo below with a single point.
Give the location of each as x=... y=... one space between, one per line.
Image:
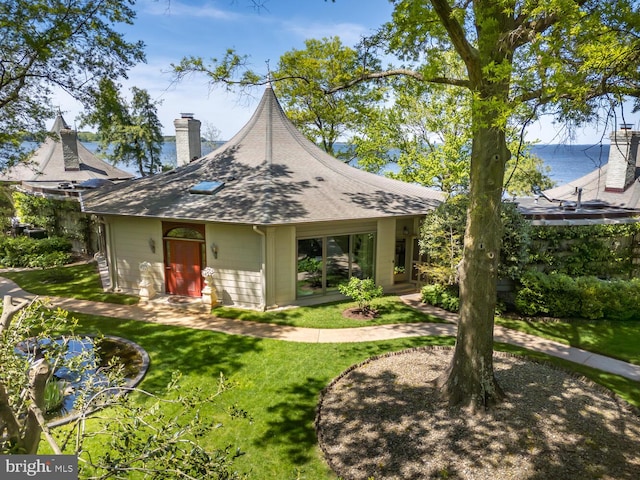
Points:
x=588 y=297
x=530 y=297
x=442 y=240
x=31 y=252
x=443 y=296
x=361 y=291
x=605 y=251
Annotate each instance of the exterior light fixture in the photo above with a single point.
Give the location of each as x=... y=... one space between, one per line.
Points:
x=152 y=245
x=405 y=231
x=214 y=250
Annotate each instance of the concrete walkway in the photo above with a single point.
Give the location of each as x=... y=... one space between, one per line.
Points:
x=194 y=316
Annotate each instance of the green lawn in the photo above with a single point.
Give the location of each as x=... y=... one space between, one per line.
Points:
x=80 y=281
x=278 y=382
x=619 y=340
x=391 y=310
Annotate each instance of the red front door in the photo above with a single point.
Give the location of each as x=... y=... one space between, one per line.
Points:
x=183 y=268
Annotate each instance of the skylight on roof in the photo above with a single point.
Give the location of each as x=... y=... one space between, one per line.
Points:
x=206 y=188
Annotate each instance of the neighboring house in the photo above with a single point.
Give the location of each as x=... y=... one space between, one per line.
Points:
x=59 y=169
x=61 y=165
x=279 y=220
x=609 y=194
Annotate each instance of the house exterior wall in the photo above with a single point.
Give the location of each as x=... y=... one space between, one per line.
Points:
x=281 y=265
x=238 y=272
x=254 y=267
x=129 y=244
x=385 y=251
x=238 y=268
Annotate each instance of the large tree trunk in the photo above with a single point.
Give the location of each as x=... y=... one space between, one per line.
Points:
x=470 y=381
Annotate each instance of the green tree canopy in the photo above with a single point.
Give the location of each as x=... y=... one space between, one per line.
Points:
x=442 y=240
x=49 y=45
x=130 y=134
x=425 y=133
x=303 y=77
x=520 y=59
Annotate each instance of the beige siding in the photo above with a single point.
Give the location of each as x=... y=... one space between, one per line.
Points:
x=335 y=228
x=385 y=250
x=281 y=264
x=238 y=277
x=241 y=278
x=129 y=241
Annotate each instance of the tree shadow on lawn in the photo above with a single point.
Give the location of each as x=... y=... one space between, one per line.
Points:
x=291 y=419
x=170 y=348
x=384 y=419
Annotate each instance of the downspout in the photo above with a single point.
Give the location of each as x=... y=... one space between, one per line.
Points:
x=263 y=268
x=111 y=257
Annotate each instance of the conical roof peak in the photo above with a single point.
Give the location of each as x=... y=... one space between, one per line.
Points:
x=59 y=124
x=272 y=174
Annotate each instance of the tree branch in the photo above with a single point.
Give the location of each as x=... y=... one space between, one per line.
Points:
x=38 y=376
x=467 y=52
x=526 y=29
x=8 y=312
x=9 y=420
x=400 y=72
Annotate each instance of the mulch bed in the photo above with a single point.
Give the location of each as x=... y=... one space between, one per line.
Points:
x=356 y=313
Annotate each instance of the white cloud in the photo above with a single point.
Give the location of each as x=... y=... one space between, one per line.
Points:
x=179 y=9
x=349 y=33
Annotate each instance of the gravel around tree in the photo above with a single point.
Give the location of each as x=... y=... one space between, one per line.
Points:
x=383 y=419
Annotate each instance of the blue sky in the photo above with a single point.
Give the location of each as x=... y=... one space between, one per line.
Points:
x=174 y=29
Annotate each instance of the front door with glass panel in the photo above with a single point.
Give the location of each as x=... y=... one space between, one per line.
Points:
x=184 y=257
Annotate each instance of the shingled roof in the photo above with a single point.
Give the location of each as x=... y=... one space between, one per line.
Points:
x=62 y=158
x=267 y=174
x=586 y=200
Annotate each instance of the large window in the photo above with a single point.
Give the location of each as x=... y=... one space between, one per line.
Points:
x=324 y=263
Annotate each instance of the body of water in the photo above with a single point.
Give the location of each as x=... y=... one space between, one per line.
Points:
x=569 y=162
x=566 y=162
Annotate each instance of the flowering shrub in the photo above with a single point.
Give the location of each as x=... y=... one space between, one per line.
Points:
x=208 y=272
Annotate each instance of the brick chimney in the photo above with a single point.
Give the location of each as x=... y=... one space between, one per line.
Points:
x=623 y=159
x=69 y=140
x=188 y=145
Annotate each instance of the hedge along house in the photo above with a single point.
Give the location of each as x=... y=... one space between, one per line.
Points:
x=280 y=221
x=59 y=169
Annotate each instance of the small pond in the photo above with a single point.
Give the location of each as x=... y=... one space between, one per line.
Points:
x=89 y=357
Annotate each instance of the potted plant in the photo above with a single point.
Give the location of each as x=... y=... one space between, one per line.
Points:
x=209 y=294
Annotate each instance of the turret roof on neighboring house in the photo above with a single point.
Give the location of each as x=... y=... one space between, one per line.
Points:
x=62 y=158
x=267 y=174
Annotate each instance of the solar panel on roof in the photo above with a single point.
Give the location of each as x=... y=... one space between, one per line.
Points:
x=206 y=188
